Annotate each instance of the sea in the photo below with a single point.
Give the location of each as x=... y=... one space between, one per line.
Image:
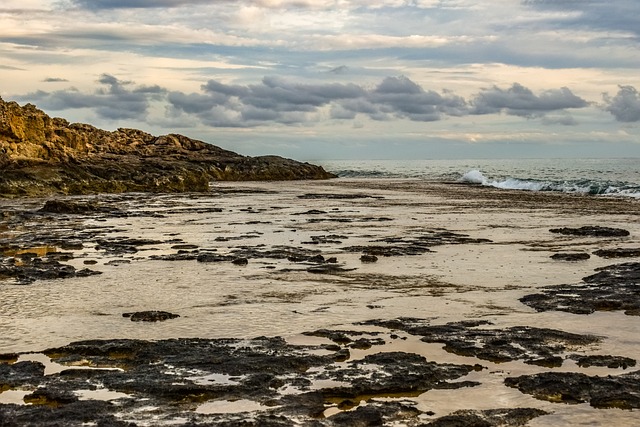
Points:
x=605 y=177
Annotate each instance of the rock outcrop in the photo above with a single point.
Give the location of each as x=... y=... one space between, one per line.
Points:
x=42 y=155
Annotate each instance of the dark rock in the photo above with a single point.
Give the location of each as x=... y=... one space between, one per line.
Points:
x=150 y=316
x=328 y=269
x=240 y=261
x=368 y=258
x=184 y=246
x=618 y=253
x=366 y=416
x=339 y=196
x=31 y=269
x=176 y=375
x=397 y=372
x=612 y=288
x=488 y=418
x=622 y=391
x=415 y=245
x=19 y=374
x=531 y=345
x=613 y=362
x=579 y=256
x=591 y=231
x=68 y=207
x=210 y=257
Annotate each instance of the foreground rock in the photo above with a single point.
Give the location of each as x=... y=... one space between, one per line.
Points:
x=534 y=346
x=41 y=155
x=622 y=391
x=612 y=288
x=169 y=381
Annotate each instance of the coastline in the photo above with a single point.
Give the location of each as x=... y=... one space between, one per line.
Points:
x=461 y=253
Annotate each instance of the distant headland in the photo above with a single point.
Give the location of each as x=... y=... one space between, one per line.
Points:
x=41 y=155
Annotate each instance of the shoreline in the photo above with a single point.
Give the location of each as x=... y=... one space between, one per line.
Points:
x=451 y=253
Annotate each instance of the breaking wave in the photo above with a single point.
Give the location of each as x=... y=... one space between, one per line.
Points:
x=581 y=186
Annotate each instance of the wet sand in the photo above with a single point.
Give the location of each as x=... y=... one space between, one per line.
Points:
x=506 y=258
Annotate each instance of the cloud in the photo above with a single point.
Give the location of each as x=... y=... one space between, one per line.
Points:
x=521 y=101
x=619 y=15
x=287 y=101
x=625 y=105
x=156 y=4
x=113 y=102
x=54 y=80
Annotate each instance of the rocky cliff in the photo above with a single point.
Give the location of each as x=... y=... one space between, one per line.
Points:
x=42 y=155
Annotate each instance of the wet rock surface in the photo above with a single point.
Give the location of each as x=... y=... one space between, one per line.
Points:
x=488 y=418
x=414 y=245
x=536 y=346
x=150 y=316
x=27 y=268
x=579 y=256
x=621 y=391
x=618 y=253
x=612 y=288
x=182 y=376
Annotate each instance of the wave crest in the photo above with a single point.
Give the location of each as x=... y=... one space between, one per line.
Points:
x=583 y=186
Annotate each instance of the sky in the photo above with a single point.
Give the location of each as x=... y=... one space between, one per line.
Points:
x=338 y=79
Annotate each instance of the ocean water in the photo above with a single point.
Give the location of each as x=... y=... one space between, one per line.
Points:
x=606 y=177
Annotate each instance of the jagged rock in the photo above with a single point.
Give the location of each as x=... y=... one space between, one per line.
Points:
x=40 y=155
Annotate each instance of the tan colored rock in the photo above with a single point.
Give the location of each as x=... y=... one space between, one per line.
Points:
x=41 y=155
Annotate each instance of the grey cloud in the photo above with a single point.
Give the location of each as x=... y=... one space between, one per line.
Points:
x=54 y=80
x=115 y=102
x=133 y=4
x=521 y=101
x=619 y=15
x=278 y=100
x=625 y=105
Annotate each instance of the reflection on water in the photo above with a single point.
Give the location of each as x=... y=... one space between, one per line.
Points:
x=37 y=251
x=230 y=407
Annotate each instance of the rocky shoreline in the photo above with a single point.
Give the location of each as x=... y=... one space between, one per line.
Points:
x=40 y=155
x=253 y=248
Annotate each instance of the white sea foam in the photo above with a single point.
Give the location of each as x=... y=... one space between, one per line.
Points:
x=584 y=186
x=474 y=177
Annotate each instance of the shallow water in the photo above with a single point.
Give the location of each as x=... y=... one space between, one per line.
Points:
x=451 y=283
